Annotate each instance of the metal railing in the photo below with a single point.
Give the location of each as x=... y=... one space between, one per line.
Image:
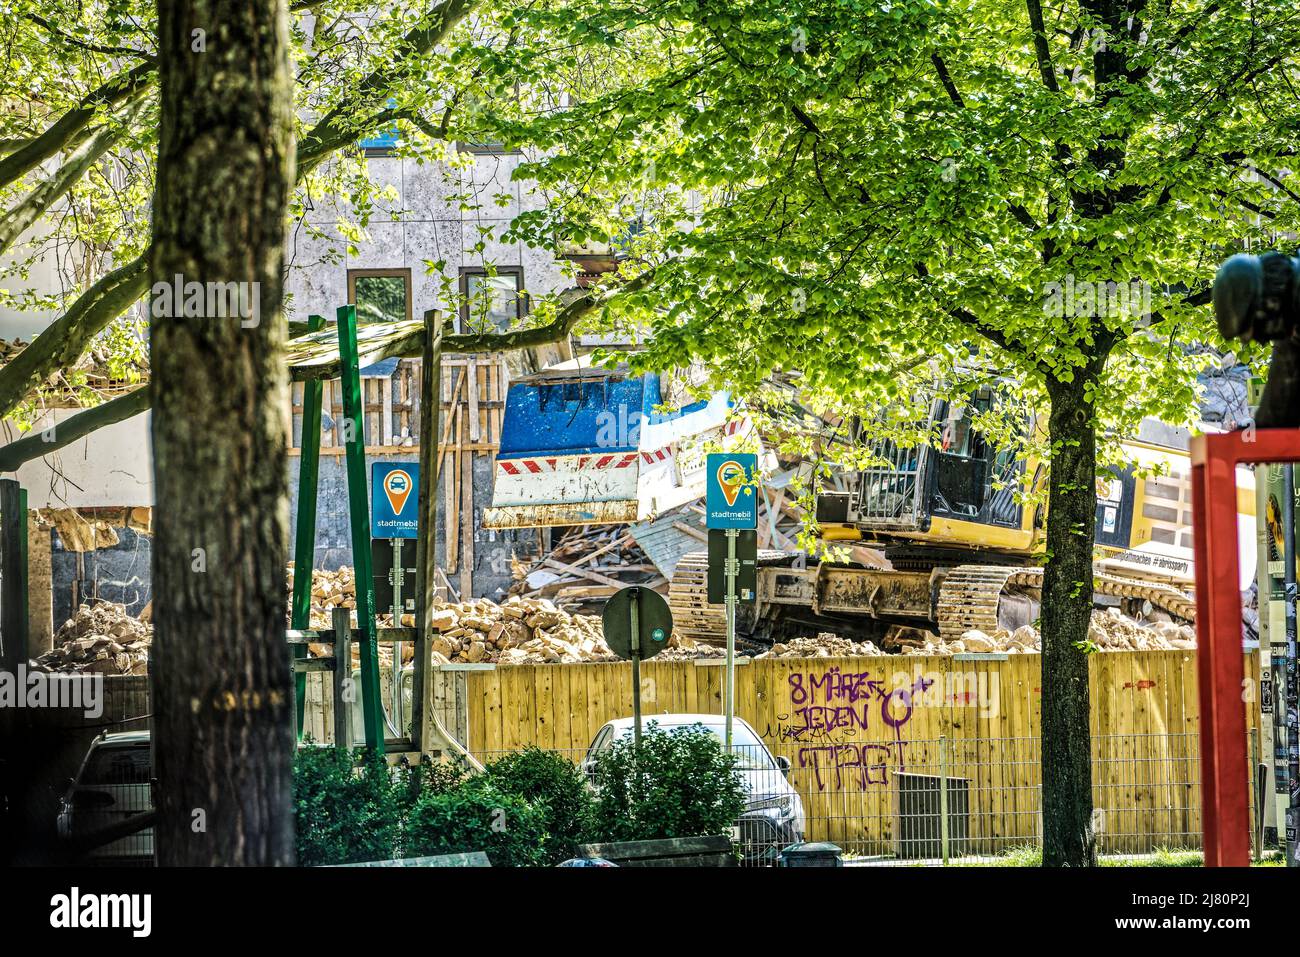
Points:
x=931 y=802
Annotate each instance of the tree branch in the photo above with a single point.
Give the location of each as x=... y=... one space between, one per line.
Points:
x=82 y=44
x=61 y=344
x=1042 y=52
x=40 y=199
x=411 y=345
x=63 y=341
x=334 y=130
x=75 y=427
x=122 y=87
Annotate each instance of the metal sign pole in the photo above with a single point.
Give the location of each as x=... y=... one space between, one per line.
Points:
x=395 y=690
x=730 y=572
x=634 y=610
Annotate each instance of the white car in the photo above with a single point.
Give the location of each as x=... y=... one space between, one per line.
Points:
x=112 y=785
x=773 y=816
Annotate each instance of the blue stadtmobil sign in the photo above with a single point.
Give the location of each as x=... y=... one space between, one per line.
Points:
x=394 y=499
x=730 y=496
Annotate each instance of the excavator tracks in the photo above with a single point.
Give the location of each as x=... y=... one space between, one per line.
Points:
x=983 y=597
x=688 y=599
x=971 y=597
x=978 y=596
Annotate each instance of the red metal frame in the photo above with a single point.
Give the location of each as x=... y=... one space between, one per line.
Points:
x=1225 y=796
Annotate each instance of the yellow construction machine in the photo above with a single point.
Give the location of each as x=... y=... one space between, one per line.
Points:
x=953 y=546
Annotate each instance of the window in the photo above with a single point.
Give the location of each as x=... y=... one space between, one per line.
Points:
x=380 y=295
x=491 y=302
x=383 y=141
x=117 y=765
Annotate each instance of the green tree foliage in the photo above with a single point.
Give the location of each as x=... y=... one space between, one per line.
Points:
x=679 y=783
x=79 y=74
x=888 y=194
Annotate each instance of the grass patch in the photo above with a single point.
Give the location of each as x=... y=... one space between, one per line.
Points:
x=1031 y=856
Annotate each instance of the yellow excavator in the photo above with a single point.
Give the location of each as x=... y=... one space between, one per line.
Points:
x=954 y=548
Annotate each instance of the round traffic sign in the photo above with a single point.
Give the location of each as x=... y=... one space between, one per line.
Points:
x=654 y=620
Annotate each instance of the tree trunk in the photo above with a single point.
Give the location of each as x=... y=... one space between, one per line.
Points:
x=223 y=738
x=1068 y=838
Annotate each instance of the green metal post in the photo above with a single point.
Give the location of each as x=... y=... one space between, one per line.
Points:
x=304 y=546
x=13 y=575
x=25 y=564
x=359 y=509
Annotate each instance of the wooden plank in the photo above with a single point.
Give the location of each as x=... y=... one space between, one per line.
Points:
x=467 y=524
x=472 y=373
x=386 y=412
x=583 y=573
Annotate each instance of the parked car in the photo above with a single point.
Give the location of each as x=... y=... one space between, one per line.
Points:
x=111 y=785
x=774 y=815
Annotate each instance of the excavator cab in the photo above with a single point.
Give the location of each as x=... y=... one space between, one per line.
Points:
x=955 y=488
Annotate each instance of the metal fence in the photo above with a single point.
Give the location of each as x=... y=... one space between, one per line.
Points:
x=958 y=801
x=86 y=775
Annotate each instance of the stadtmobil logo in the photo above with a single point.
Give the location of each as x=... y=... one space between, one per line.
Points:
x=76 y=910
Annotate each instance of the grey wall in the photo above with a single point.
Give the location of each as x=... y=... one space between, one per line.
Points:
x=120 y=573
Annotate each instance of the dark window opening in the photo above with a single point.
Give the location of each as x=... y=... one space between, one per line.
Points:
x=380 y=295
x=492 y=301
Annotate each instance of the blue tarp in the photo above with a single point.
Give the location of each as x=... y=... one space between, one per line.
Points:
x=573 y=418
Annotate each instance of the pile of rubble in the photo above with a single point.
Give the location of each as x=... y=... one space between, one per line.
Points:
x=585 y=567
x=1109 y=631
x=530 y=631
x=328 y=591
x=100 y=639
x=521 y=631
x=823 y=646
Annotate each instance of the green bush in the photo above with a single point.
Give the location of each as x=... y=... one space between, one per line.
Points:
x=680 y=783
x=347 y=807
x=477 y=817
x=555 y=786
x=441 y=777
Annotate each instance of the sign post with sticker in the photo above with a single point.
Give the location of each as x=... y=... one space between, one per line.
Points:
x=730 y=505
x=636 y=623
x=395 y=517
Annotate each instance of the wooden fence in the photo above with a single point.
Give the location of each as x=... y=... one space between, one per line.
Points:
x=847 y=725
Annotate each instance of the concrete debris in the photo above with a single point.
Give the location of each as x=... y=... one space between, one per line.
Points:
x=1109 y=630
x=520 y=631
x=100 y=639
x=525 y=631
x=329 y=589
x=825 y=645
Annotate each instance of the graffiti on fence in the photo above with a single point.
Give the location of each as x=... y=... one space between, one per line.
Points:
x=842 y=704
x=860 y=764
x=829 y=710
